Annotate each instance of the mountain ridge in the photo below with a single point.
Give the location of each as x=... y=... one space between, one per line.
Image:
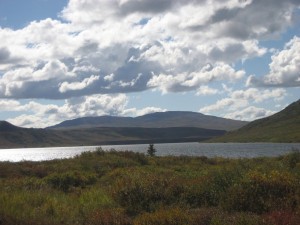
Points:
x=154 y=120
x=6 y=126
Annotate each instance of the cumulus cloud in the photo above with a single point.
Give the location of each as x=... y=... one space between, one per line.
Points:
x=34 y=114
x=284 y=68
x=41 y=115
x=228 y=103
x=138 y=42
x=250 y=113
x=7 y=105
x=257 y=95
x=7 y=59
x=4 y=55
x=240 y=104
x=205 y=90
x=65 y=86
x=258 y=21
x=141 y=112
x=194 y=80
x=100 y=50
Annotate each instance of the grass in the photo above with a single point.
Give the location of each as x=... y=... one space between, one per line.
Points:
x=126 y=188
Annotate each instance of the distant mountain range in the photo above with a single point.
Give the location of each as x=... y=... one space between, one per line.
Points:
x=283 y=126
x=160 y=127
x=154 y=120
x=151 y=128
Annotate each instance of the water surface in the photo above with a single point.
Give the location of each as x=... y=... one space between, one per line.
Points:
x=228 y=150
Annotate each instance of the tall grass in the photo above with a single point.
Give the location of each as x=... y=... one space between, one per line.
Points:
x=125 y=188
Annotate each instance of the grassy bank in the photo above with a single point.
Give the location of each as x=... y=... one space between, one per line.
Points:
x=123 y=188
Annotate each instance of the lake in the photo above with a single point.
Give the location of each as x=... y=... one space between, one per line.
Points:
x=228 y=150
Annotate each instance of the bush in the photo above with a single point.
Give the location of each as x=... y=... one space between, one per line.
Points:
x=293 y=159
x=136 y=156
x=209 y=190
x=261 y=192
x=125 y=188
x=67 y=180
x=236 y=219
x=139 y=191
x=173 y=216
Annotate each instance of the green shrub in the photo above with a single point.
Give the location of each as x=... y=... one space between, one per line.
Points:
x=262 y=192
x=236 y=219
x=126 y=188
x=208 y=190
x=67 y=180
x=135 y=156
x=173 y=216
x=293 y=159
x=99 y=151
x=140 y=191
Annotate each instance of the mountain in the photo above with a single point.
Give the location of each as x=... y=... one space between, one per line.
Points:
x=155 y=120
x=283 y=126
x=12 y=136
x=6 y=126
x=159 y=127
x=17 y=137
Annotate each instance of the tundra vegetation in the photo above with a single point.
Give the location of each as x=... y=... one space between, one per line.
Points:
x=127 y=188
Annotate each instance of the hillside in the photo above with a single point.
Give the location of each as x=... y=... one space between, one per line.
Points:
x=155 y=120
x=16 y=137
x=283 y=126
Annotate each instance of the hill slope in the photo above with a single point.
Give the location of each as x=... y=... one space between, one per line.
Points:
x=16 y=137
x=155 y=120
x=283 y=126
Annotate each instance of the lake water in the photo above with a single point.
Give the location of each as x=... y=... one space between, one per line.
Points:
x=228 y=150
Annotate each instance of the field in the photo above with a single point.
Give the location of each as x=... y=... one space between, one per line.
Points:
x=124 y=188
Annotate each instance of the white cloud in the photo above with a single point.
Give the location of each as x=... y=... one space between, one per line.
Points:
x=28 y=121
x=228 y=103
x=258 y=95
x=284 y=68
x=129 y=38
x=240 y=104
x=66 y=86
x=205 y=90
x=141 y=112
x=109 y=77
x=102 y=49
x=43 y=115
x=8 y=105
x=194 y=80
x=34 y=114
x=249 y=114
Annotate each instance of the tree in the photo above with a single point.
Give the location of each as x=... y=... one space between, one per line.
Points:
x=151 y=150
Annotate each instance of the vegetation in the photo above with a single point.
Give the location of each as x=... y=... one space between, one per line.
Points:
x=151 y=150
x=283 y=126
x=126 y=188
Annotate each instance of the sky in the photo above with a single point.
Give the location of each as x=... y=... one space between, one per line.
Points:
x=64 y=59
